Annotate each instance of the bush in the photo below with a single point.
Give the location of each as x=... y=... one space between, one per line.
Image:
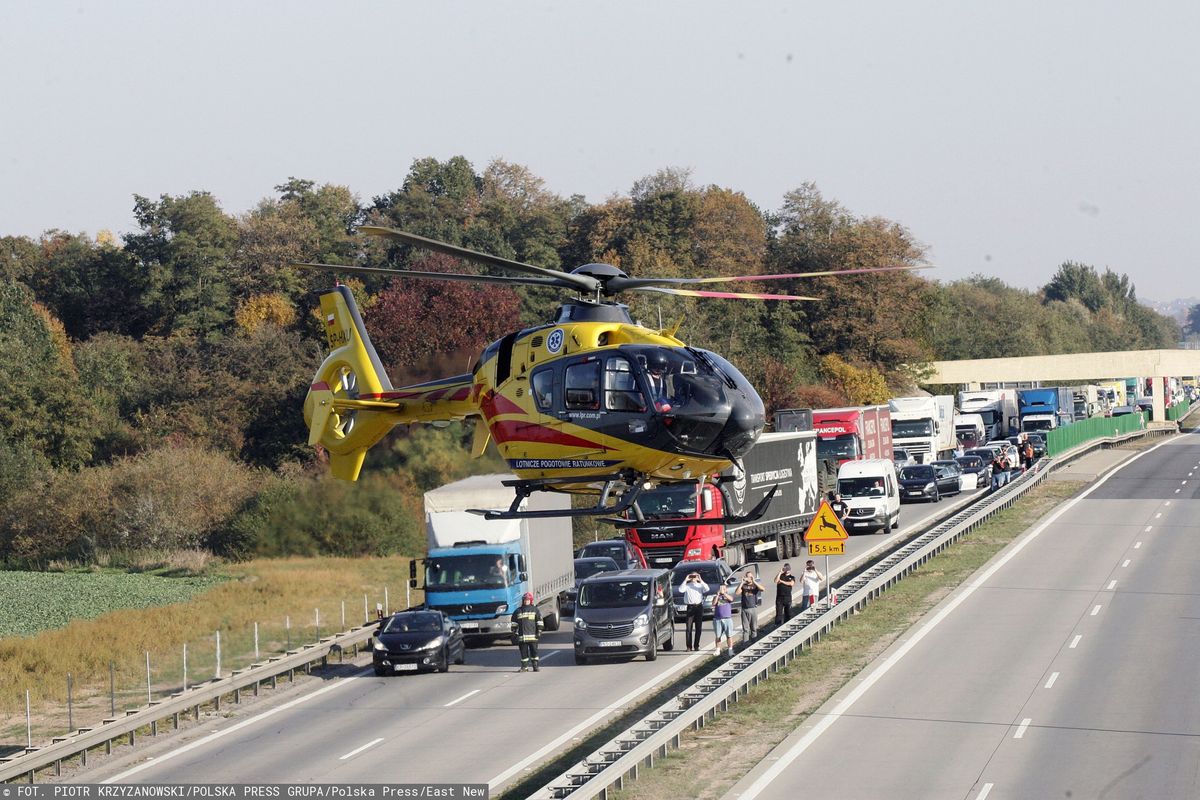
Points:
x=325 y=517
x=166 y=500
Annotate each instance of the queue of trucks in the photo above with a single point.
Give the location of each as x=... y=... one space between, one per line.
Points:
x=476 y=570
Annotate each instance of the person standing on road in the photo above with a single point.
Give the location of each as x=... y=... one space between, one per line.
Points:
x=750 y=591
x=527 y=627
x=694 y=588
x=722 y=620
x=838 y=506
x=785 y=583
x=810 y=586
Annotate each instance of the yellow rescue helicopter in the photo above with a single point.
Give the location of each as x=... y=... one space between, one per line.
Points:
x=591 y=403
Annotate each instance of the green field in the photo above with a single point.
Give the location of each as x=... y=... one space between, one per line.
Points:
x=37 y=601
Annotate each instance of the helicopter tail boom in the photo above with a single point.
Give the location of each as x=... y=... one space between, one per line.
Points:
x=351 y=403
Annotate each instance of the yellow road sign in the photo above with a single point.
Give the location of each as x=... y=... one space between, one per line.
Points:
x=825 y=527
x=827 y=549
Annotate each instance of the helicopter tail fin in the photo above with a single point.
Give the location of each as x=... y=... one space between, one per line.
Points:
x=339 y=416
x=351 y=403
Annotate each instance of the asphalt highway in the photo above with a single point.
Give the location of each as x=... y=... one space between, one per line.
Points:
x=1066 y=668
x=482 y=722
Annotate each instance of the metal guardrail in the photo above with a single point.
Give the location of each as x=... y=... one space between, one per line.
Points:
x=620 y=760
x=79 y=742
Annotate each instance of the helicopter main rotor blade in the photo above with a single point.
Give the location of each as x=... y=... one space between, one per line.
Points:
x=583 y=283
x=437 y=276
x=723 y=295
x=625 y=284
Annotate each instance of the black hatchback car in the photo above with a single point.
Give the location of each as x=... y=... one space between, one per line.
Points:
x=926 y=482
x=412 y=641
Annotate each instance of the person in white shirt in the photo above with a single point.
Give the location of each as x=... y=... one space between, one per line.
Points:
x=694 y=589
x=810 y=585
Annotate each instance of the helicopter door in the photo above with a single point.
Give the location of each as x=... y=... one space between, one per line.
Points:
x=625 y=406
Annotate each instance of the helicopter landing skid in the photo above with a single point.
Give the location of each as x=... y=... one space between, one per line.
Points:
x=675 y=524
x=525 y=488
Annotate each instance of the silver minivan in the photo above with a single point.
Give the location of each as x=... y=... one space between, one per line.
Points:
x=625 y=613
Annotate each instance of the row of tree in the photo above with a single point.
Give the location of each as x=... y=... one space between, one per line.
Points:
x=186 y=346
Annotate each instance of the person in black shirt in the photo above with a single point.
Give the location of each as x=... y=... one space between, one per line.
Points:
x=785 y=582
x=838 y=506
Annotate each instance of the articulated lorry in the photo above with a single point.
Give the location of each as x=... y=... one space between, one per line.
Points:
x=849 y=434
x=787 y=459
x=998 y=407
x=924 y=426
x=1087 y=402
x=477 y=570
x=1045 y=409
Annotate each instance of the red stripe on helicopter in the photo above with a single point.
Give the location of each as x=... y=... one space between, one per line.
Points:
x=494 y=404
x=461 y=394
x=514 y=430
x=319 y=386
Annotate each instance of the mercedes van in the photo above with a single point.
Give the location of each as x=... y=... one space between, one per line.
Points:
x=871 y=494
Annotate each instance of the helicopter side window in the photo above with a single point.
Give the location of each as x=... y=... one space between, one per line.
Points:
x=621 y=392
x=543 y=389
x=583 y=386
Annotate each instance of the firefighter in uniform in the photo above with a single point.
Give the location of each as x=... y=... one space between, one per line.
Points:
x=527 y=627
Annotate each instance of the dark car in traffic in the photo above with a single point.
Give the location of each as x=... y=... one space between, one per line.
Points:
x=1039 y=444
x=987 y=454
x=946 y=469
x=414 y=641
x=625 y=554
x=925 y=482
x=714 y=573
x=974 y=465
x=584 y=568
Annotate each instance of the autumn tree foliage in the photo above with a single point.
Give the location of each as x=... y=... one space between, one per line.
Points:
x=415 y=321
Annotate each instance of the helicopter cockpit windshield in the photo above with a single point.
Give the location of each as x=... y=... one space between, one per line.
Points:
x=687 y=390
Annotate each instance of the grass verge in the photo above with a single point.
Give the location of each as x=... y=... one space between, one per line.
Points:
x=706 y=767
x=287 y=598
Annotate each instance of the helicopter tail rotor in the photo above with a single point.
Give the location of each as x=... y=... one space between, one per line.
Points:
x=338 y=416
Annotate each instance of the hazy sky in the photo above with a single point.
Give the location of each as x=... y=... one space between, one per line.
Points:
x=1008 y=137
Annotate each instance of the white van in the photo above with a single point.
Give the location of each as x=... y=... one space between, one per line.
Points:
x=871 y=493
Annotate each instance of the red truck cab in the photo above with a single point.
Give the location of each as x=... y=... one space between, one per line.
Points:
x=851 y=434
x=664 y=548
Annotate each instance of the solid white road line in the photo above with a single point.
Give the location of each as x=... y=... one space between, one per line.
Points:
x=804 y=742
x=1075 y=641
x=358 y=750
x=1020 y=734
x=1053 y=678
x=1112 y=585
x=464 y=697
x=549 y=655
x=243 y=724
x=1096 y=610
x=985 y=791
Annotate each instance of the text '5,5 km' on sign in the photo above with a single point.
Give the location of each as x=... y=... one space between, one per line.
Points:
x=825 y=535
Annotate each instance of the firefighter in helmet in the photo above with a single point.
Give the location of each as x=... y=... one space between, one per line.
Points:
x=527 y=627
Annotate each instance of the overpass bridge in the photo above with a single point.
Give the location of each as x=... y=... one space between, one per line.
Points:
x=1154 y=364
